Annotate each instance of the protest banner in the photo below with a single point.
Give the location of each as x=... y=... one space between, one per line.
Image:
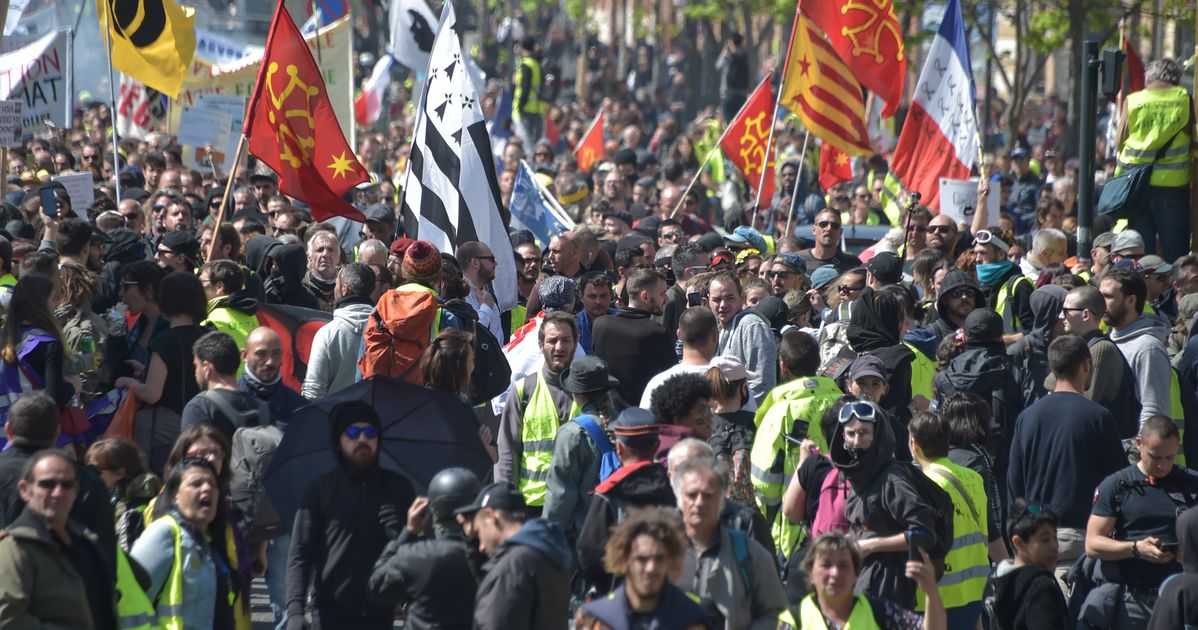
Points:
x=958 y=198
x=10 y=124
x=80 y=189
x=140 y=109
x=231 y=106
x=35 y=75
x=199 y=126
x=224 y=51
x=335 y=61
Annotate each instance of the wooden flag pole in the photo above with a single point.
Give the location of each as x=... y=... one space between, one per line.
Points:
x=774 y=119
x=224 y=200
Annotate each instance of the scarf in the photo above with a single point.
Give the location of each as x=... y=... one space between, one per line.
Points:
x=990 y=274
x=262 y=389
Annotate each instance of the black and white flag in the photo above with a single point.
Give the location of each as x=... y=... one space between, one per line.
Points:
x=413 y=28
x=451 y=187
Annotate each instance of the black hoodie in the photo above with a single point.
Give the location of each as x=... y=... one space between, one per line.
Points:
x=875 y=329
x=1177 y=606
x=1028 y=598
x=285 y=282
x=633 y=485
x=127 y=246
x=985 y=369
x=1032 y=350
x=940 y=321
x=882 y=502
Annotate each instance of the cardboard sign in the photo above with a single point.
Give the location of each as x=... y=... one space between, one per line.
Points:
x=959 y=196
x=80 y=189
x=10 y=124
x=35 y=75
x=230 y=106
x=201 y=126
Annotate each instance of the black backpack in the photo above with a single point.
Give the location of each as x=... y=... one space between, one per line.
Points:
x=1126 y=405
x=941 y=503
x=492 y=373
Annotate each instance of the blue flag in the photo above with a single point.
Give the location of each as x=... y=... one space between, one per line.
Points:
x=531 y=211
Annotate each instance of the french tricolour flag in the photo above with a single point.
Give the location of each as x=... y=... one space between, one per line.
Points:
x=940 y=137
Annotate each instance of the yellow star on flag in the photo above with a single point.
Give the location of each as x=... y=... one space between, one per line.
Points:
x=341 y=165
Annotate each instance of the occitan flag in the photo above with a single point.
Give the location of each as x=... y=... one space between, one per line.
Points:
x=868 y=38
x=822 y=92
x=152 y=41
x=291 y=126
x=745 y=142
x=590 y=150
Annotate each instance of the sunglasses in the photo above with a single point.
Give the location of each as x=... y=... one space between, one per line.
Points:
x=1066 y=310
x=778 y=274
x=158 y=209
x=861 y=410
x=355 y=432
x=845 y=289
x=89 y=158
x=721 y=259
x=960 y=294
x=942 y=229
x=672 y=236
x=828 y=225
x=51 y=484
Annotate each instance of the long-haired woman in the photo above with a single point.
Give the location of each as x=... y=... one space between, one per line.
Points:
x=31 y=343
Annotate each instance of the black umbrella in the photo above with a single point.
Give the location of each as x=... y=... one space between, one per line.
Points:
x=423 y=432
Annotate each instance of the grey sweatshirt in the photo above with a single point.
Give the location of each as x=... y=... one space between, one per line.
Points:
x=1143 y=345
x=750 y=339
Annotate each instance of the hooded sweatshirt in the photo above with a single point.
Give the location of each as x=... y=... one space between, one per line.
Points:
x=1143 y=345
x=1177 y=606
x=1028 y=598
x=526 y=584
x=127 y=246
x=985 y=369
x=1032 y=349
x=333 y=364
x=874 y=329
x=284 y=285
x=941 y=323
x=882 y=502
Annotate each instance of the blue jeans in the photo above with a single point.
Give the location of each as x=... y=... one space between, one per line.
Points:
x=1167 y=217
x=276 y=578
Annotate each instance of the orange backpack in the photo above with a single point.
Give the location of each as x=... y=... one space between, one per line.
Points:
x=398 y=332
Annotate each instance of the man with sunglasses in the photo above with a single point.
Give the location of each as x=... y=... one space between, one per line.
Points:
x=478 y=268
x=1113 y=384
x=959 y=295
x=826 y=250
x=333 y=544
x=785 y=273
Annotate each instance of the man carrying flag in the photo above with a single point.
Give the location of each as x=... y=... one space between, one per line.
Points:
x=291 y=126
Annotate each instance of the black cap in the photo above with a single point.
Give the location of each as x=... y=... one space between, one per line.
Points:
x=136 y=194
x=774 y=310
x=182 y=242
x=351 y=412
x=500 y=495
x=886 y=267
x=648 y=226
x=99 y=235
x=588 y=374
x=625 y=156
x=619 y=215
x=269 y=177
x=983 y=324
x=380 y=212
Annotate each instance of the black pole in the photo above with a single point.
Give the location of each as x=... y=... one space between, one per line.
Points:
x=1085 y=184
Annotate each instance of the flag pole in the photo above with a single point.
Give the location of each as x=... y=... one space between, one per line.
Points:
x=794 y=194
x=765 y=161
x=116 y=164
x=707 y=159
x=70 y=83
x=224 y=200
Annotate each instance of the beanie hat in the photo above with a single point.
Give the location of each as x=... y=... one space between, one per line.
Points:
x=351 y=412
x=422 y=262
x=557 y=294
x=983 y=324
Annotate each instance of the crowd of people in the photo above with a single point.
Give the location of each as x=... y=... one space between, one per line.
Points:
x=701 y=414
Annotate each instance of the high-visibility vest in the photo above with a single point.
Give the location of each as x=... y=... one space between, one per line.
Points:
x=538 y=428
x=1010 y=319
x=519 y=318
x=812 y=618
x=134 y=609
x=1178 y=414
x=967 y=565
x=170 y=600
x=923 y=370
x=846 y=218
x=237 y=324
x=773 y=458
x=534 y=104
x=1153 y=117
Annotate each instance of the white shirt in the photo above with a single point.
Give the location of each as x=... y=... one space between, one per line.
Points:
x=488 y=314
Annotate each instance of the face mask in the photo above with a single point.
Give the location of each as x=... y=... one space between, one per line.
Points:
x=990 y=273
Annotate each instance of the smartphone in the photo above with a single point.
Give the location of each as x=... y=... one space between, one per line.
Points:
x=917 y=539
x=694 y=299
x=49 y=201
x=1169 y=547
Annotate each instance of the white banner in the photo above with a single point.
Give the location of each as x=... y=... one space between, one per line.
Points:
x=232 y=109
x=223 y=51
x=36 y=76
x=140 y=109
x=10 y=124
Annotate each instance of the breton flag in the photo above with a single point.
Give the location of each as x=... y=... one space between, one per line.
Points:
x=534 y=209
x=940 y=137
x=822 y=91
x=451 y=186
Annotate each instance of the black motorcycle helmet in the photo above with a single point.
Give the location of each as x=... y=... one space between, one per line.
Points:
x=451 y=489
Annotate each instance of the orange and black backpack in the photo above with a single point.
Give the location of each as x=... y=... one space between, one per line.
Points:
x=402 y=325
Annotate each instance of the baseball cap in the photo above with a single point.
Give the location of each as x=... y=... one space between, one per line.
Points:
x=500 y=495
x=983 y=324
x=1127 y=239
x=1155 y=264
x=634 y=424
x=823 y=276
x=886 y=267
x=1019 y=152
x=867 y=365
x=1104 y=240
x=792 y=261
x=731 y=368
x=747 y=235
x=380 y=212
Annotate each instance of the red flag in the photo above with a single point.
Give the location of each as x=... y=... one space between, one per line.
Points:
x=1135 y=69
x=291 y=126
x=867 y=36
x=590 y=149
x=834 y=166
x=551 y=133
x=744 y=143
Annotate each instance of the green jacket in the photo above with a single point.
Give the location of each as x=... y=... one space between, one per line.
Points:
x=39 y=586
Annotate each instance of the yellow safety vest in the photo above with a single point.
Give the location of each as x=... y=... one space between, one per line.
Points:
x=519 y=318
x=1010 y=319
x=1178 y=414
x=538 y=428
x=812 y=618
x=170 y=600
x=241 y=617
x=846 y=218
x=967 y=565
x=1153 y=117
x=773 y=458
x=237 y=324
x=923 y=370
x=134 y=609
x=534 y=104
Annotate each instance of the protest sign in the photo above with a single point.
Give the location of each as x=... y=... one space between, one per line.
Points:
x=10 y=124
x=140 y=109
x=80 y=189
x=199 y=126
x=231 y=106
x=958 y=198
x=35 y=75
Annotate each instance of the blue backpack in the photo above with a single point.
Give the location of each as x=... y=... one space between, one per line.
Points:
x=608 y=462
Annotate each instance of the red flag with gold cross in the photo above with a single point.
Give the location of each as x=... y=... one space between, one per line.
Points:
x=867 y=36
x=291 y=126
x=744 y=143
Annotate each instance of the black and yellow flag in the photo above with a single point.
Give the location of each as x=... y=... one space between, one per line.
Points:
x=153 y=41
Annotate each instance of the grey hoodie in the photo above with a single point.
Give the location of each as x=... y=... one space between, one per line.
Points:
x=1143 y=345
x=333 y=365
x=750 y=339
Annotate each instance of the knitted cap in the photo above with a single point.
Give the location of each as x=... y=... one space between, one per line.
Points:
x=422 y=262
x=556 y=293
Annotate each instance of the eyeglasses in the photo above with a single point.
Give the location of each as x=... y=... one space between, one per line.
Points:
x=51 y=484
x=828 y=225
x=845 y=289
x=942 y=229
x=960 y=294
x=355 y=432
x=88 y=158
x=861 y=410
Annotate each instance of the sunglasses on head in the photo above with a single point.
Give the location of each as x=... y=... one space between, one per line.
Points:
x=354 y=432
x=862 y=410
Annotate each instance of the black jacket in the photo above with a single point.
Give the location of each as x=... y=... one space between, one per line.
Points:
x=1029 y=598
x=985 y=369
x=1019 y=297
x=526 y=584
x=633 y=485
x=346 y=518
x=635 y=348
x=1177 y=606
x=874 y=330
x=1032 y=350
x=433 y=576
x=127 y=246
x=92 y=509
x=939 y=321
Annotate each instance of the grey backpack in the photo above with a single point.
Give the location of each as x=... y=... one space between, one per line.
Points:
x=253 y=447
